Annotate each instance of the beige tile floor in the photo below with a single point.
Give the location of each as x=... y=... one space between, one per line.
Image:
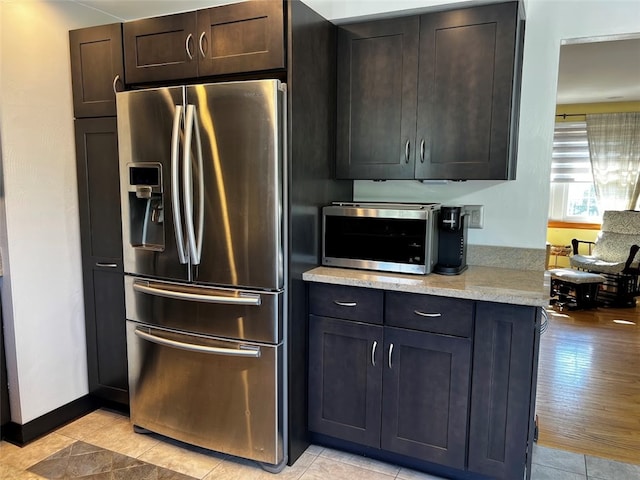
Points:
x=112 y=431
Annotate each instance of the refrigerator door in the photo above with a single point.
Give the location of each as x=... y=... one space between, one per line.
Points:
x=218 y=394
x=150 y=144
x=239 y=125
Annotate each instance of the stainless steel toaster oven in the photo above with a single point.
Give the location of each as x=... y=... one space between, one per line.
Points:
x=390 y=237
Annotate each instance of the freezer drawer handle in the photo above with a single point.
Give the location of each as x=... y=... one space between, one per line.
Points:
x=245 y=299
x=249 y=351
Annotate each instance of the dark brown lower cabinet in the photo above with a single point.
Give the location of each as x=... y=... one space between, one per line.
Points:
x=5 y=416
x=452 y=393
x=401 y=390
x=345 y=375
x=426 y=395
x=106 y=335
x=505 y=365
x=101 y=245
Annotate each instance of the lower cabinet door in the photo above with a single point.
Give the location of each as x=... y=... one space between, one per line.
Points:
x=426 y=396
x=106 y=335
x=503 y=388
x=345 y=379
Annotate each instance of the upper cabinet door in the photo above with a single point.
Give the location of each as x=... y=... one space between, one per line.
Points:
x=377 y=84
x=466 y=113
x=96 y=69
x=241 y=37
x=161 y=48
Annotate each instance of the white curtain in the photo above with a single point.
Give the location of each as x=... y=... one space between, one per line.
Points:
x=614 y=148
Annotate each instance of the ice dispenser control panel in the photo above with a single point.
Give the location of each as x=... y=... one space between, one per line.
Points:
x=146 y=206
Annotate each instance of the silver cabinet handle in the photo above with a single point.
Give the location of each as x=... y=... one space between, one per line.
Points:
x=373 y=353
x=244 y=299
x=390 y=353
x=244 y=351
x=116 y=79
x=345 y=304
x=200 y=41
x=407 y=149
x=175 y=201
x=106 y=265
x=422 y=151
x=423 y=314
x=186 y=46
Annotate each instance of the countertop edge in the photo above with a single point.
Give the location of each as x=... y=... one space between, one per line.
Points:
x=517 y=287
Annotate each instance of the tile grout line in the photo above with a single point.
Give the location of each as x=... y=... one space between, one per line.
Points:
x=315 y=457
x=586 y=472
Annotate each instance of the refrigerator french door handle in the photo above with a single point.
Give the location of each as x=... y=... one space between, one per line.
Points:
x=175 y=199
x=245 y=298
x=249 y=351
x=187 y=190
x=200 y=232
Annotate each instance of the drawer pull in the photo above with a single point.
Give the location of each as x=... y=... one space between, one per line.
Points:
x=390 y=353
x=430 y=315
x=345 y=304
x=106 y=265
x=373 y=353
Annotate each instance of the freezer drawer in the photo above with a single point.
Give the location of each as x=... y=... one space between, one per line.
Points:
x=229 y=313
x=221 y=395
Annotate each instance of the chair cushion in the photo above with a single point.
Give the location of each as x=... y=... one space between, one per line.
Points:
x=576 y=276
x=614 y=247
x=626 y=221
x=591 y=263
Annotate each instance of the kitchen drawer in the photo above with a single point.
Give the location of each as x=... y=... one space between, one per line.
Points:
x=428 y=313
x=350 y=303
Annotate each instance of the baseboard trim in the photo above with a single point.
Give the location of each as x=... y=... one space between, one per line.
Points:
x=21 y=435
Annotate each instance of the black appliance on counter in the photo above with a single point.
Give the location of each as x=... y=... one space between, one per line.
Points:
x=452 y=241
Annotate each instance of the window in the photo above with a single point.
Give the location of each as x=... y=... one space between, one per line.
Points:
x=573 y=197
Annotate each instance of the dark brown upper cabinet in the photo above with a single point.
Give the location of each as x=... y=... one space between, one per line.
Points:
x=467 y=113
x=378 y=80
x=241 y=37
x=463 y=78
x=97 y=69
x=236 y=38
x=160 y=48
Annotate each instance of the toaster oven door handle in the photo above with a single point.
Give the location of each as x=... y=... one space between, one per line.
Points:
x=345 y=304
x=424 y=314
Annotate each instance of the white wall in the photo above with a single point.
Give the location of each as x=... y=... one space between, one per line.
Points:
x=42 y=287
x=39 y=236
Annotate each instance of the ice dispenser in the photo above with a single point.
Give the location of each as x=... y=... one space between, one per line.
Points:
x=146 y=206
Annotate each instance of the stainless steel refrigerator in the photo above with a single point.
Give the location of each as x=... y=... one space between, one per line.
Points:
x=203 y=197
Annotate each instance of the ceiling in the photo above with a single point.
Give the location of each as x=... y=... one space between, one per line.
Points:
x=598 y=72
x=591 y=71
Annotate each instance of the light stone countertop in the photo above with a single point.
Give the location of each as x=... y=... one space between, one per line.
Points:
x=491 y=284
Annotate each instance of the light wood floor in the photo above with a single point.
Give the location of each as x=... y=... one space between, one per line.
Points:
x=588 y=398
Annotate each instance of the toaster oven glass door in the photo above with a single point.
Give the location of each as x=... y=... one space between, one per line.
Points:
x=394 y=240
